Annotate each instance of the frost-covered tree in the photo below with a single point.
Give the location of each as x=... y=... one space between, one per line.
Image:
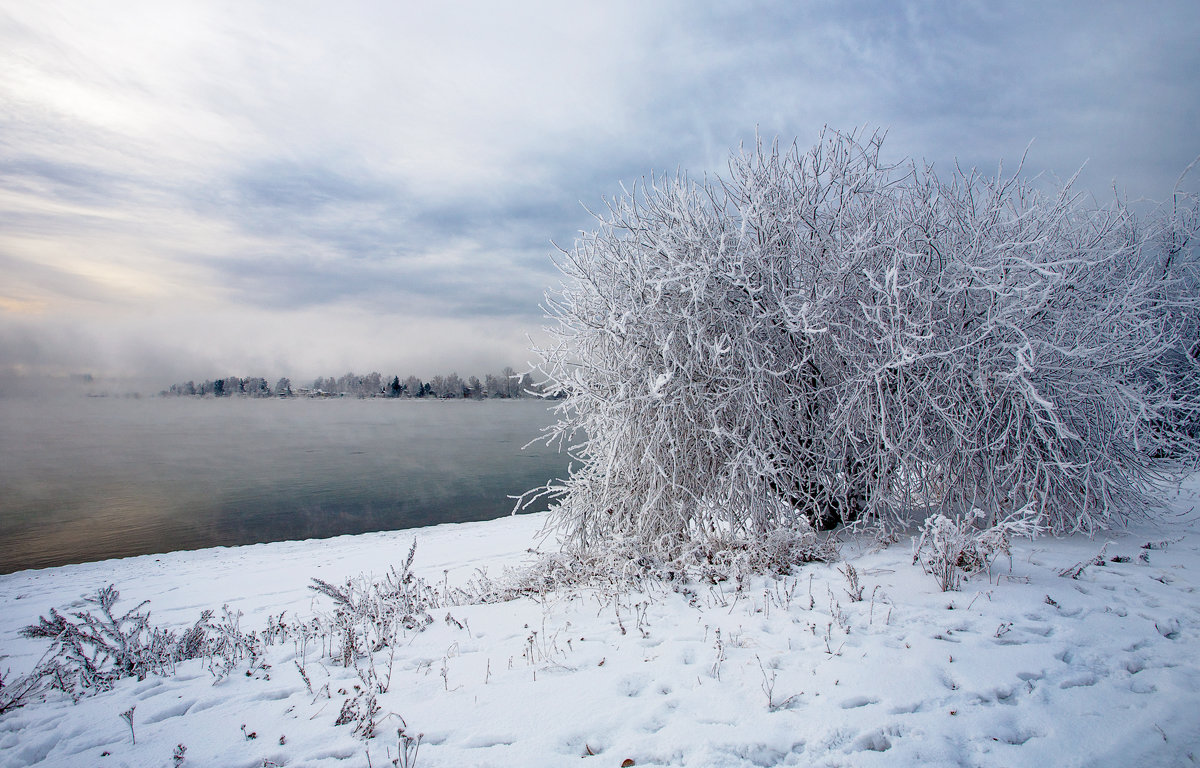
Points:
x=372 y=384
x=512 y=383
x=414 y=387
x=447 y=386
x=256 y=386
x=349 y=383
x=495 y=385
x=825 y=337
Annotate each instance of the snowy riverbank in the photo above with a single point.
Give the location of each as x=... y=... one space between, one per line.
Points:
x=1025 y=668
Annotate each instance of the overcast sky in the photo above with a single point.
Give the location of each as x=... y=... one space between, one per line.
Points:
x=191 y=190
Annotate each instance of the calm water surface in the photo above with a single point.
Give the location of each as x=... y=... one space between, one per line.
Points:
x=86 y=479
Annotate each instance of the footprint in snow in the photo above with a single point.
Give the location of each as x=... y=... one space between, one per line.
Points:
x=632 y=686
x=1004 y=695
x=906 y=709
x=485 y=741
x=652 y=725
x=1168 y=628
x=876 y=741
x=858 y=701
x=37 y=751
x=1015 y=736
x=203 y=705
x=175 y=710
x=1079 y=681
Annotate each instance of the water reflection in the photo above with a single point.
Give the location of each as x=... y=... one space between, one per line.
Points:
x=94 y=478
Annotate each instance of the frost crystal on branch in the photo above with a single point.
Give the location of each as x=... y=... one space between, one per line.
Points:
x=822 y=337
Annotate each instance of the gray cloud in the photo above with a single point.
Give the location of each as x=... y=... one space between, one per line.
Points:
x=65 y=181
x=393 y=167
x=301 y=189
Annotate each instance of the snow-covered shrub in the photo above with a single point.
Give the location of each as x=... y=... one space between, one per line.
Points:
x=375 y=613
x=948 y=548
x=825 y=337
x=224 y=646
x=91 y=651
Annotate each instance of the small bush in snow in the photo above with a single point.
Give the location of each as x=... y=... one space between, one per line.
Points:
x=826 y=337
x=91 y=651
x=948 y=548
x=371 y=614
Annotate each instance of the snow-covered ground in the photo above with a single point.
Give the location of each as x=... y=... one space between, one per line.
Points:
x=1025 y=668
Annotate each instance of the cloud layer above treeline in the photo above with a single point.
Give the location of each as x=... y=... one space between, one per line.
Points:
x=304 y=188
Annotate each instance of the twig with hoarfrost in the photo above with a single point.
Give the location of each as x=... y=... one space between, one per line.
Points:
x=127 y=716
x=1075 y=571
x=16 y=693
x=768 y=687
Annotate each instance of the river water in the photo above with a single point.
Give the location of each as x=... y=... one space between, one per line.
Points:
x=85 y=479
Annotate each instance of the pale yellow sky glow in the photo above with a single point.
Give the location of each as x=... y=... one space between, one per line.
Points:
x=22 y=306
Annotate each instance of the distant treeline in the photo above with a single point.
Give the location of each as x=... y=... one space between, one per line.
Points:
x=506 y=384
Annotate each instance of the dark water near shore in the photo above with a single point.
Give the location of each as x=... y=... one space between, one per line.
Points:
x=85 y=479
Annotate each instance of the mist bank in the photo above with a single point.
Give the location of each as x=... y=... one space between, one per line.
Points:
x=504 y=384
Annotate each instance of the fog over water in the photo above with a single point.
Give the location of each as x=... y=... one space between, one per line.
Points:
x=85 y=479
